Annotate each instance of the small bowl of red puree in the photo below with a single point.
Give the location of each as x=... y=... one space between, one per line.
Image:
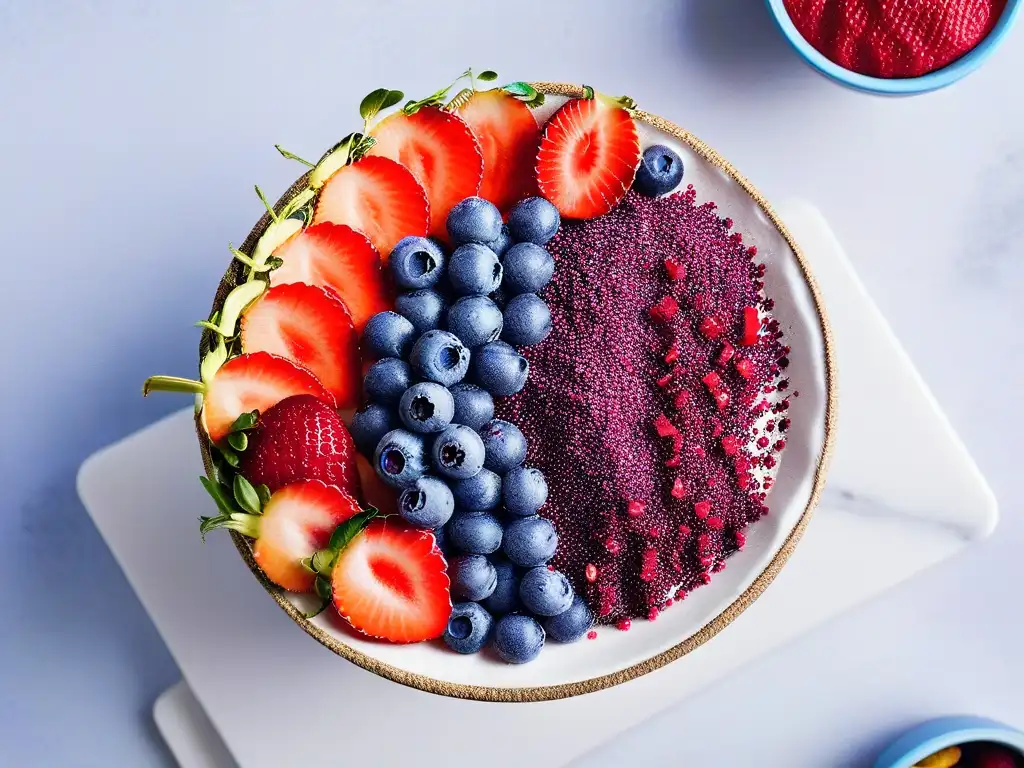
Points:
x=895 y=47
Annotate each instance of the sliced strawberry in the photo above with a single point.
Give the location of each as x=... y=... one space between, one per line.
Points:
x=391 y=582
x=378 y=197
x=442 y=153
x=588 y=157
x=300 y=438
x=375 y=492
x=311 y=327
x=509 y=138
x=254 y=381
x=336 y=257
x=297 y=521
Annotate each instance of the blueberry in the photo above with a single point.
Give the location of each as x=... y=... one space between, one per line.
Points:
x=474 y=270
x=480 y=492
x=469 y=628
x=571 y=624
x=426 y=407
x=475 y=320
x=387 y=334
x=477 y=533
x=416 y=262
x=530 y=541
x=505 y=597
x=528 y=268
x=474 y=220
x=473 y=577
x=534 y=220
x=659 y=173
x=458 y=452
x=527 y=320
x=518 y=639
x=439 y=356
x=499 y=369
x=501 y=243
x=544 y=592
x=424 y=309
x=386 y=380
x=400 y=458
x=369 y=425
x=427 y=503
x=474 y=406
x=525 y=490
x=504 y=445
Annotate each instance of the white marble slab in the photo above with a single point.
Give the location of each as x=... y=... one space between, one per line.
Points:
x=269 y=688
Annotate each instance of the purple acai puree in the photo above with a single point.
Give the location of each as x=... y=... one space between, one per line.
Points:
x=641 y=404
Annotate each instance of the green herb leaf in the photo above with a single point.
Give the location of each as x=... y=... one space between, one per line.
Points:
x=433 y=100
x=246 y=496
x=377 y=101
x=323 y=591
x=220 y=495
x=487 y=75
x=245 y=421
x=588 y=92
x=520 y=90
x=536 y=101
x=273 y=263
x=264 y=493
x=229 y=455
x=238 y=440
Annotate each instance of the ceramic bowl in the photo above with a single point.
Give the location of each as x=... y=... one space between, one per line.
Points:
x=615 y=656
x=934 y=735
x=897 y=86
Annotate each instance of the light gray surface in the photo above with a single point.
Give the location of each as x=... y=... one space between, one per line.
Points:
x=132 y=132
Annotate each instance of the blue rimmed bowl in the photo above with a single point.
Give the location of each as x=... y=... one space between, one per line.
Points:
x=928 y=738
x=908 y=86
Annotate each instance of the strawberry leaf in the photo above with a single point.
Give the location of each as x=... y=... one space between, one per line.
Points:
x=264 y=493
x=323 y=591
x=377 y=101
x=521 y=90
x=588 y=92
x=351 y=528
x=238 y=440
x=487 y=75
x=245 y=421
x=229 y=455
x=221 y=495
x=246 y=496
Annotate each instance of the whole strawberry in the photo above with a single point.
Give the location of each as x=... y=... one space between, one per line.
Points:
x=300 y=438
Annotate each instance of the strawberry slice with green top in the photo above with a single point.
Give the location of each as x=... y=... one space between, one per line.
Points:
x=378 y=197
x=246 y=383
x=442 y=153
x=509 y=138
x=311 y=327
x=340 y=259
x=588 y=156
x=391 y=582
x=287 y=527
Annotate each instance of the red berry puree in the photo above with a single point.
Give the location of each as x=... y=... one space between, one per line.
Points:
x=894 y=38
x=641 y=404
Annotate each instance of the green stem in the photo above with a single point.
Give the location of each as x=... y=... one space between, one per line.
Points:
x=267 y=205
x=172 y=384
x=246 y=524
x=292 y=156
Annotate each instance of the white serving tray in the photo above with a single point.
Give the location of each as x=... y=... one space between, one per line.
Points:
x=272 y=693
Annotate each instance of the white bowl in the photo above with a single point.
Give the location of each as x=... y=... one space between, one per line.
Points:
x=615 y=657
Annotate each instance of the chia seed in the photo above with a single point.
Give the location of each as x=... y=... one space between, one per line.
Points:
x=611 y=432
